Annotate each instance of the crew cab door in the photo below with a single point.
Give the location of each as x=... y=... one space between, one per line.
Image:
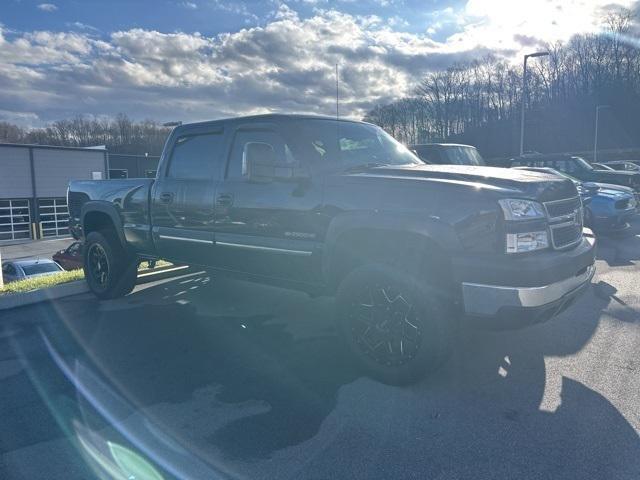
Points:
x=183 y=197
x=268 y=225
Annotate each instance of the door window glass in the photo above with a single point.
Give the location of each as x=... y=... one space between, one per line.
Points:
x=196 y=157
x=237 y=166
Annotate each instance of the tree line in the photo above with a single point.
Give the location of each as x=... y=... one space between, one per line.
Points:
x=119 y=134
x=476 y=103
x=479 y=102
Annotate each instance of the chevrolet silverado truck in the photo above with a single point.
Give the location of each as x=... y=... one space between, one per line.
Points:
x=340 y=208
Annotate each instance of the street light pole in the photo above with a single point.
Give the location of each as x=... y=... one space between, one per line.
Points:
x=524 y=94
x=595 y=140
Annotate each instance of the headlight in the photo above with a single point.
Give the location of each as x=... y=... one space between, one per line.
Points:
x=526 y=242
x=515 y=209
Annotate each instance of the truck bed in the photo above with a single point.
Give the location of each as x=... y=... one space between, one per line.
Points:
x=127 y=199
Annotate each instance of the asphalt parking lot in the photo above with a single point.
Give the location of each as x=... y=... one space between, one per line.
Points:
x=204 y=375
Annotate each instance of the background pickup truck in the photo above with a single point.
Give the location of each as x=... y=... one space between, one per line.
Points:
x=579 y=168
x=341 y=208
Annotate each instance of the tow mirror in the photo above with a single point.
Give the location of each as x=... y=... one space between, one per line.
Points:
x=259 y=162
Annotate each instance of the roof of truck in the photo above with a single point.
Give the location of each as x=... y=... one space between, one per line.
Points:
x=270 y=117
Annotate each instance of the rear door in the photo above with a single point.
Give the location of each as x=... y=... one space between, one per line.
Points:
x=183 y=196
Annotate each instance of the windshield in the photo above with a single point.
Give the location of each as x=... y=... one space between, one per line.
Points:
x=37 y=268
x=460 y=155
x=348 y=144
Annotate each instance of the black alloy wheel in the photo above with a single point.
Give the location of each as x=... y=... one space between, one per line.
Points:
x=384 y=326
x=98 y=264
x=394 y=325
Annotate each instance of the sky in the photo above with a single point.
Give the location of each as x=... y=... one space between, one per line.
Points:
x=191 y=60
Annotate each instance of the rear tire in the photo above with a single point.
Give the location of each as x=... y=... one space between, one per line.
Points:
x=110 y=271
x=396 y=327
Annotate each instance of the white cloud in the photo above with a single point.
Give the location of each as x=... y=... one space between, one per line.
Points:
x=498 y=23
x=81 y=26
x=285 y=65
x=47 y=7
x=189 y=5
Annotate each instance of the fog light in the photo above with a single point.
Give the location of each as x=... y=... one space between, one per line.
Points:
x=527 y=241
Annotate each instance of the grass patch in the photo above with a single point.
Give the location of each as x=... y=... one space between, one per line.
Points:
x=143 y=267
x=37 y=283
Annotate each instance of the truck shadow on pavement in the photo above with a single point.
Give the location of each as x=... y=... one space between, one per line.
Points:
x=621 y=248
x=495 y=410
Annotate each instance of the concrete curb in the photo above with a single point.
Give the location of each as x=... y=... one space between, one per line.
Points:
x=68 y=289
x=58 y=291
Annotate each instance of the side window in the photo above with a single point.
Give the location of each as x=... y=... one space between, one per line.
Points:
x=196 y=157
x=245 y=139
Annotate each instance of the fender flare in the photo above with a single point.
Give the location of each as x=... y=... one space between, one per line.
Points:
x=431 y=228
x=109 y=210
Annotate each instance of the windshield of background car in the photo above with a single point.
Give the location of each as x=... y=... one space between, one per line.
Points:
x=463 y=156
x=38 y=268
x=348 y=144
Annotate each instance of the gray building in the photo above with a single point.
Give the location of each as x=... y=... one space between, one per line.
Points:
x=33 y=187
x=132 y=166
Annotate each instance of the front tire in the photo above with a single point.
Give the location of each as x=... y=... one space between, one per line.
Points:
x=395 y=326
x=109 y=270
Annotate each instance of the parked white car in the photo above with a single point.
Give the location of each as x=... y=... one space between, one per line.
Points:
x=13 y=270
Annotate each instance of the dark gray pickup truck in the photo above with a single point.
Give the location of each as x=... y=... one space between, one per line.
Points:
x=340 y=208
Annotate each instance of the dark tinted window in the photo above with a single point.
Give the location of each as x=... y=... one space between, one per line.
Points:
x=428 y=154
x=37 y=268
x=196 y=156
x=462 y=156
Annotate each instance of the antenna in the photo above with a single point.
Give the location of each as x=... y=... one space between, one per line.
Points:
x=337 y=98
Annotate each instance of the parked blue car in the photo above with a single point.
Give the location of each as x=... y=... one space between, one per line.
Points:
x=606 y=207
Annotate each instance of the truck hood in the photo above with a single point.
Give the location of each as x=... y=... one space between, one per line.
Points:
x=504 y=182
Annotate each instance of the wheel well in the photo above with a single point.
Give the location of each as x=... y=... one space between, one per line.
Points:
x=97 y=221
x=412 y=253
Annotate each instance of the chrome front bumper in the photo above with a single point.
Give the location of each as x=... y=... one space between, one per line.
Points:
x=487 y=300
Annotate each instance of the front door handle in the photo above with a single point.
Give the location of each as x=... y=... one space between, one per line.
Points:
x=166 y=197
x=224 y=200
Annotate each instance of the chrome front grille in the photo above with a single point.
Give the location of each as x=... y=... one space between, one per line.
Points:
x=565 y=221
x=558 y=208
